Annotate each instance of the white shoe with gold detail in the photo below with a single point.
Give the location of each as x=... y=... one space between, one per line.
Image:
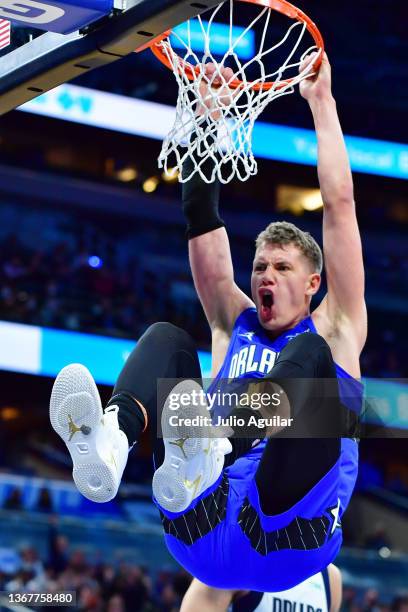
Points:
x=98 y=448
x=194 y=457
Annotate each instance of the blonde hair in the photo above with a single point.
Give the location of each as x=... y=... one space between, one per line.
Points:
x=282 y=233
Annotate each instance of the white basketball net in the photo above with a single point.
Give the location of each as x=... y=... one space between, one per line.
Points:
x=220 y=127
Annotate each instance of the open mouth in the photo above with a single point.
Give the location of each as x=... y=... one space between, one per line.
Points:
x=267 y=302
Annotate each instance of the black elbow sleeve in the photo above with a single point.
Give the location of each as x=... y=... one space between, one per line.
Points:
x=200 y=203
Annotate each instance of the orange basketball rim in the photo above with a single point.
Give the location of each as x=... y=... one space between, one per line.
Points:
x=281 y=6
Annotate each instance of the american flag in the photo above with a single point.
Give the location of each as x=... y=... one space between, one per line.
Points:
x=4 y=33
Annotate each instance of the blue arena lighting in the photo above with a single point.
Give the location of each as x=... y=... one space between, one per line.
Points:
x=95 y=262
x=299 y=146
x=44 y=352
x=193 y=37
x=152 y=120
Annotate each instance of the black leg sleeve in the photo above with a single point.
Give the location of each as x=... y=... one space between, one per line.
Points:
x=290 y=467
x=164 y=351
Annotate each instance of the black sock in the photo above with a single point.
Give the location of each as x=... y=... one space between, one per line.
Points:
x=130 y=416
x=240 y=447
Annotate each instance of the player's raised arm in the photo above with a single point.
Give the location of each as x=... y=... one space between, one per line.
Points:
x=211 y=264
x=345 y=306
x=209 y=249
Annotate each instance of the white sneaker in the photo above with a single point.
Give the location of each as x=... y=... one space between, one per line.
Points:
x=98 y=448
x=191 y=464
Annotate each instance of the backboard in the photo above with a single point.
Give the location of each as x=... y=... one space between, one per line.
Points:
x=76 y=36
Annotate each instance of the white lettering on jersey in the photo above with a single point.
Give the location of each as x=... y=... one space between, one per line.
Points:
x=284 y=605
x=267 y=361
x=233 y=366
x=308 y=596
x=252 y=366
x=242 y=358
x=244 y=361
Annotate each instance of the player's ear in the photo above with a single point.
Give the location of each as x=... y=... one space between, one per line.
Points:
x=314 y=282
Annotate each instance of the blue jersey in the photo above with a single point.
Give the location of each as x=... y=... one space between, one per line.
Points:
x=237 y=546
x=252 y=354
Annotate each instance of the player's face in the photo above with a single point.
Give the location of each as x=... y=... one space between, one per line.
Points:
x=282 y=284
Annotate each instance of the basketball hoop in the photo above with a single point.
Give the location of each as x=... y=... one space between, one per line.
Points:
x=218 y=127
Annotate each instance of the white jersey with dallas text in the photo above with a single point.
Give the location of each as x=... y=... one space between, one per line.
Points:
x=312 y=595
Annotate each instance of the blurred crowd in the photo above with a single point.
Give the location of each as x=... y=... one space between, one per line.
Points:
x=72 y=285
x=14 y=501
x=391 y=475
x=371 y=601
x=125 y=587
x=99 y=587
x=86 y=280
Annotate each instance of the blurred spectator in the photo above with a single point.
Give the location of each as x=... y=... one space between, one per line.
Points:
x=370 y=601
x=107 y=578
x=181 y=582
x=377 y=539
x=46 y=582
x=134 y=587
x=116 y=603
x=400 y=604
x=20 y=582
x=349 y=595
x=44 y=502
x=30 y=561
x=14 y=500
x=89 y=598
x=58 y=547
x=169 y=601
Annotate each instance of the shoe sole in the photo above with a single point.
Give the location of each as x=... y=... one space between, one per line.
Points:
x=172 y=488
x=75 y=414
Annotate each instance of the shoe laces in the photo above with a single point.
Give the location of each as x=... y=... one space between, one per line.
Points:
x=111 y=416
x=109 y=412
x=113 y=408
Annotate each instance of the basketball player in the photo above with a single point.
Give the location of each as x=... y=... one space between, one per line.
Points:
x=238 y=513
x=319 y=593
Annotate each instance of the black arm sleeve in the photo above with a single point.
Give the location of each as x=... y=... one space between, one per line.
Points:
x=200 y=203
